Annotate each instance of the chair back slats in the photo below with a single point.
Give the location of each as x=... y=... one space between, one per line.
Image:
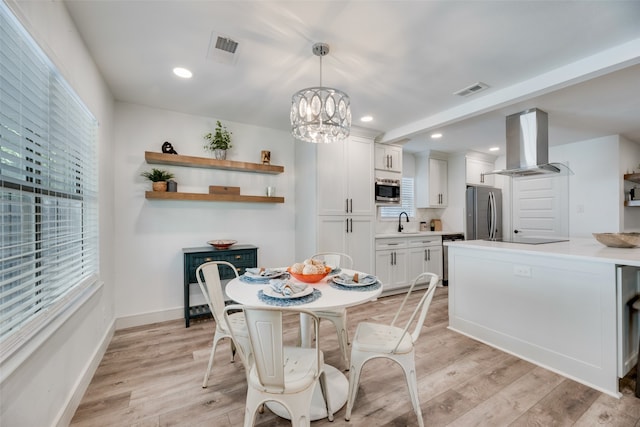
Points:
x=335 y=259
x=421 y=309
x=212 y=288
x=265 y=334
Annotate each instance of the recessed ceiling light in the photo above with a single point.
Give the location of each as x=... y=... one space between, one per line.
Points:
x=366 y=119
x=494 y=149
x=182 y=72
x=436 y=135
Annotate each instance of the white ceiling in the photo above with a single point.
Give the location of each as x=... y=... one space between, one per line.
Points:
x=400 y=61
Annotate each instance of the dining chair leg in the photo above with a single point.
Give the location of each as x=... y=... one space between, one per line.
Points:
x=407 y=361
x=216 y=339
x=325 y=395
x=354 y=379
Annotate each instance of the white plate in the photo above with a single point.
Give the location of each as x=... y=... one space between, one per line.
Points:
x=368 y=280
x=273 y=275
x=268 y=291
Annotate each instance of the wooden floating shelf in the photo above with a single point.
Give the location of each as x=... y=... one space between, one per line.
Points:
x=203 y=162
x=166 y=195
x=633 y=177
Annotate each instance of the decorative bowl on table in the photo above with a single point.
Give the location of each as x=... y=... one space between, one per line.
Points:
x=618 y=240
x=310 y=278
x=222 y=244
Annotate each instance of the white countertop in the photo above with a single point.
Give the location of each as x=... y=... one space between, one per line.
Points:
x=416 y=234
x=576 y=248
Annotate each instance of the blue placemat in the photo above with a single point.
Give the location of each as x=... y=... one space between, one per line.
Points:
x=371 y=287
x=261 y=280
x=289 y=302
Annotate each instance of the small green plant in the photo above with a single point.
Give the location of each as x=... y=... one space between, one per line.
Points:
x=157 y=175
x=220 y=139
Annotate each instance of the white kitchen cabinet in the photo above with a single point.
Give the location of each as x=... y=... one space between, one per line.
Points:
x=348 y=234
x=392 y=263
x=424 y=255
x=476 y=170
x=431 y=182
x=345 y=180
x=388 y=157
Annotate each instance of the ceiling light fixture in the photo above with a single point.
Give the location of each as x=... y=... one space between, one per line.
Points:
x=182 y=72
x=366 y=119
x=320 y=114
x=436 y=135
x=494 y=149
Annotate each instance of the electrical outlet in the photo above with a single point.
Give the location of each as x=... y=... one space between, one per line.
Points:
x=522 y=270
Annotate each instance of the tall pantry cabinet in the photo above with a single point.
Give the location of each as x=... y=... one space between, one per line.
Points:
x=335 y=208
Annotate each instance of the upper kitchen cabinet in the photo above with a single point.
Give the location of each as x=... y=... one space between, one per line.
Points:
x=431 y=182
x=476 y=169
x=345 y=177
x=388 y=158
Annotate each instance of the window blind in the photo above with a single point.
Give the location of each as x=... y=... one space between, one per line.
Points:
x=48 y=183
x=407 y=201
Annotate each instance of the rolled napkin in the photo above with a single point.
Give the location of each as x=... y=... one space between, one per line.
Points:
x=286 y=287
x=357 y=278
x=261 y=271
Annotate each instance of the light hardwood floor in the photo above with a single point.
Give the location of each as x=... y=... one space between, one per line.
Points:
x=152 y=375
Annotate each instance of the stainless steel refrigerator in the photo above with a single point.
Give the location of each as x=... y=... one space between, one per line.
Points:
x=484 y=213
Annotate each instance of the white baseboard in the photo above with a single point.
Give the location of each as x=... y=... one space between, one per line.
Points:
x=148 y=318
x=64 y=419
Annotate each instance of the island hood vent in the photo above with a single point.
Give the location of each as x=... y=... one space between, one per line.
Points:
x=528 y=145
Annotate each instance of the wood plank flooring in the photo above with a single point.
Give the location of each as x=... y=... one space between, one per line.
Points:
x=151 y=376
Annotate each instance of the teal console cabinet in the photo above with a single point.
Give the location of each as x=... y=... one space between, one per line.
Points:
x=242 y=256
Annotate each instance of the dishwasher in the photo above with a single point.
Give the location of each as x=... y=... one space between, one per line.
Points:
x=445 y=255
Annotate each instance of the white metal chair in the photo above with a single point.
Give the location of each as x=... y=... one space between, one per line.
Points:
x=284 y=374
x=208 y=276
x=374 y=340
x=337 y=317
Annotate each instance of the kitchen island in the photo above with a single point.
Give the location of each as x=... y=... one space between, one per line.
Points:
x=563 y=306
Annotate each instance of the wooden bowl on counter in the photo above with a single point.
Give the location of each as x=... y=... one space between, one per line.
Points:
x=618 y=240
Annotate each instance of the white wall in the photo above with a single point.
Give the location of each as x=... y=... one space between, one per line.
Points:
x=45 y=388
x=596 y=198
x=150 y=234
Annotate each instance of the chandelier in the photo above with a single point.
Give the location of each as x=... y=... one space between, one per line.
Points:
x=320 y=114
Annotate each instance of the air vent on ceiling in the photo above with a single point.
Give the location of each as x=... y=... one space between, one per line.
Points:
x=222 y=48
x=470 y=90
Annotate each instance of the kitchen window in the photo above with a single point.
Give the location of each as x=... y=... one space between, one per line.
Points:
x=407 y=204
x=48 y=189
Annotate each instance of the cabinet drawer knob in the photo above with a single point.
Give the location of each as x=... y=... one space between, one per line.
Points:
x=208 y=259
x=238 y=256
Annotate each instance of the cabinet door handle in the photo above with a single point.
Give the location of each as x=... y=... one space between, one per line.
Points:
x=482 y=178
x=428 y=254
x=350 y=205
x=351 y=221
x=425 y=255
x=391 y=161
x=346 y=205
x=391 y=258
x=347 y=225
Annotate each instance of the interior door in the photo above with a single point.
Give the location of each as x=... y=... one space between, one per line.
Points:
x=540 y=206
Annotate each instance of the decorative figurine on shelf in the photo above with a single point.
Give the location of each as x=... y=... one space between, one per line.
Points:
x=266 y=157
x=167 y=148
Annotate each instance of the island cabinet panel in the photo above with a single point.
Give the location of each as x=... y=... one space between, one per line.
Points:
x=557 y=312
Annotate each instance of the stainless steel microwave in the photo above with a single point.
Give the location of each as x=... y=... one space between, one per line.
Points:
x=387 y=190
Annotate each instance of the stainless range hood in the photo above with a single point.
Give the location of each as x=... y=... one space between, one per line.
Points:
x=528 y=145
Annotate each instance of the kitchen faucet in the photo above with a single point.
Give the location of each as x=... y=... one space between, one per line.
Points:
x=400 y=220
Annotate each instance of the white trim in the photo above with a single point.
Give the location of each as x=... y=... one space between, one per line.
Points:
x=148 y=318
x=68 y=411
x=19 y=346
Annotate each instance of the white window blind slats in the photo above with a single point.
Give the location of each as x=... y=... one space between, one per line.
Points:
x=48 y=185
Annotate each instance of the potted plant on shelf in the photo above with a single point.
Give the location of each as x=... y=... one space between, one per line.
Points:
x=219 y=141
x=159 y=178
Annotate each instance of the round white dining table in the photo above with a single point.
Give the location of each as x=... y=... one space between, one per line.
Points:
x=332 y=298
